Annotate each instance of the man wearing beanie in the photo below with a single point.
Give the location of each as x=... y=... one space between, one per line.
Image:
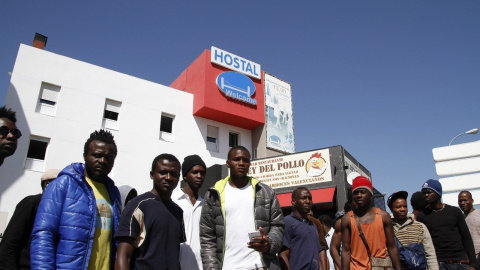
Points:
x=449 y=231
x=193 y=172
x=15 y=245
x=376 y=226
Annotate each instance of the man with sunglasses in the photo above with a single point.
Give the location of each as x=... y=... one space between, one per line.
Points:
x=9 y=134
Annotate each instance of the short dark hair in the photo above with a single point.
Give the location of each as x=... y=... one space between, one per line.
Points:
x=238 y=147
x=327 y=220
x=100 y=135
x=295 y=192
x=347 y=207
x=8 y=113
x=466 y=191
x=165 y=156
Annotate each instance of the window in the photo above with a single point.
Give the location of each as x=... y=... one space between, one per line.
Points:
x=37 y=151
x=212 y=138
x=232 y=139
x=48 y=99
x=110 y=115
x=166 y=127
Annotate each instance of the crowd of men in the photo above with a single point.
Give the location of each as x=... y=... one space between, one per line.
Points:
x=81 y=220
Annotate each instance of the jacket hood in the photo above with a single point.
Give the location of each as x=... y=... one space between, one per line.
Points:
x=220 y=185
x=407 y=222
x=74 y=170
x=124 y=191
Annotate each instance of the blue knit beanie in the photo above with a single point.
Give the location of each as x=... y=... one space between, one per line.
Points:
x=433 y=185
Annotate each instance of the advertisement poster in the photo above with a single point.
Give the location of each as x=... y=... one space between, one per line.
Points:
x=279 y=115
x=293 y=170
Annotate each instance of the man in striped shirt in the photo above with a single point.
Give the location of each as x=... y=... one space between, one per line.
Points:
x=407 y=230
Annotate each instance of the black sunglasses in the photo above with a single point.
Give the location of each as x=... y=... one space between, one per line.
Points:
x=4 y=130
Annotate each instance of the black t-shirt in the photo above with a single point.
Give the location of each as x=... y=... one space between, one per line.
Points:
x=157 y=226
x=450 y=234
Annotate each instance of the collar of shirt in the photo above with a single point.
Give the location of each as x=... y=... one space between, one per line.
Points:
x=178 y=194
x=300 y=219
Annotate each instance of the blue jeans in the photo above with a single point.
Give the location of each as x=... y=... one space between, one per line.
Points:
x=452 y=266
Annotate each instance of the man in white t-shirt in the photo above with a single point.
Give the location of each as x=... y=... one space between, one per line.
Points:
x=193 y=172
x=328 y=226
x=234 y=207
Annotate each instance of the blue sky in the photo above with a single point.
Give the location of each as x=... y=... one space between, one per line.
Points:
x=388 y=80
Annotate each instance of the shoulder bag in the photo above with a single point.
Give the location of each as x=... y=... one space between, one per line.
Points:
x=412 y=256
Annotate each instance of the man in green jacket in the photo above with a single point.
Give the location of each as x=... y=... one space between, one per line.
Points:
x=235 y=207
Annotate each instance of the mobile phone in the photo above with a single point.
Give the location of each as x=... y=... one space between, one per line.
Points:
x=254 y=235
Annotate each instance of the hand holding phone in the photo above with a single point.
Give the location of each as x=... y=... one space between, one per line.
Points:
x=258 y=241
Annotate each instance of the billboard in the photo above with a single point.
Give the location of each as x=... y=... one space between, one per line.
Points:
x=293 y=170
x=279 y=115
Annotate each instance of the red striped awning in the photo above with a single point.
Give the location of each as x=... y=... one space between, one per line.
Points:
x=322 y=195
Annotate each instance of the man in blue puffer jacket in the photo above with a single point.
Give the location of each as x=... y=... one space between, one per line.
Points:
x=79 y=212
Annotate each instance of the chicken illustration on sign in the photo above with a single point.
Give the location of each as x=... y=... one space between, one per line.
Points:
x=316 y=165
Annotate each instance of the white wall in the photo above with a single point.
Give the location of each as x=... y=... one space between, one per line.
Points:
x=80 y=107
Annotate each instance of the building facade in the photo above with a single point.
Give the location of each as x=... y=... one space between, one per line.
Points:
x=219 y=101
x=59 y=101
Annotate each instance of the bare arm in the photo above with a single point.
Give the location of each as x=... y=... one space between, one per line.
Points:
x=284 y=257
x=346 y=231
x=391 y=245
x=124 y=253
x=335 y=244
x=323 y=260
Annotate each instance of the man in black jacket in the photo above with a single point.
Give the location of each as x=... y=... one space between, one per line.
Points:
x=449 y=231
x=15 y=245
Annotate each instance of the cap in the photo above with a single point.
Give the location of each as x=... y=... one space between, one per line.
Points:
x=50 y=174
x=417 y=201
x=396 y=195
x=433 y=185
x=362 y=182
x=339 y=214
x=190 y=161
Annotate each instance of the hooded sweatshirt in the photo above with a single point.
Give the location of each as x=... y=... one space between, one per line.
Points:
x=124 y=191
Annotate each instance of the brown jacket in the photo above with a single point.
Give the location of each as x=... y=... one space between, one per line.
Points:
x=321 y=232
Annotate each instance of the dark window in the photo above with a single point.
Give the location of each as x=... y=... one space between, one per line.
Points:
x=166 y=124
x=37 y=149
x=211 y=139
x=232 y=139
x=110 y=115
x=49 y=102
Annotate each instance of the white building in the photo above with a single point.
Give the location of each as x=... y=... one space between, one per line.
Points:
x=59 y=101
x=458 y=167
